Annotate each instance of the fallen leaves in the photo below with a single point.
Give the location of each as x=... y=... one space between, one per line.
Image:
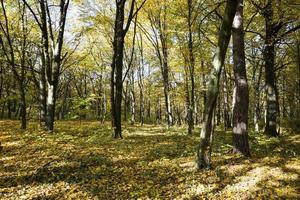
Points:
x=82 y=161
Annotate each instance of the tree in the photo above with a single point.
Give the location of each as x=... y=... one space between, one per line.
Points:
x=240 y=94
x=141 y=79
x=191 y=66
x=14 y=48
x=161 y=42
x=205 y=145
x=52 y=57
x=273 y=34
x=117 y=62
x=269 y=57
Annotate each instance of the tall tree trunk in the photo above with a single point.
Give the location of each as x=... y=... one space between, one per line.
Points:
x=141 y=81
x=205 y=144
x=165 y=65
x=298 y=85
x=257 y=109
x=158 y=112
x=203 y=91
x=132 y=99
x=240 y=94
x=149 y=110
x=218 y=111
x=166 y=86
x=117 y=70
x=126 y=100
x=1 y=89
x=42 y=96
x=189 y=112
x=191 y=67
x=23 y=107
x=226 y=115
x=50 y=107
x=269 y=58
x=9 y=109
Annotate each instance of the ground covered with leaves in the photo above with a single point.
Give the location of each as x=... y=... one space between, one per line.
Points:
x=82 y=161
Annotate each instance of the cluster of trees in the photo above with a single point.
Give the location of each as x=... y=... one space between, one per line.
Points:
x=152 y=61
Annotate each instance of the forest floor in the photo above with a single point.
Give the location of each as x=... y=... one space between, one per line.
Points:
x=82 y=161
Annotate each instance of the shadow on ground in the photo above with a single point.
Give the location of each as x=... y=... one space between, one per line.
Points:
x=82 y=161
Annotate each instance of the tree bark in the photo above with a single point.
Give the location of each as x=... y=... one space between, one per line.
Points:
x=42 y=93
x=226 y=115
x=298 y=86
x=240 y=94
x=141 y=81
x=23 y=109
x=117 y=65
x=191 y=108
x=204 y=91
x=159 y=28
x=269 y=57
x=205 y=144
x=132 y=99
x=257 y=109
x=165 y=73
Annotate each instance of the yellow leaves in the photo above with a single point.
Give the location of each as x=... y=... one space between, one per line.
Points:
x=83 y=162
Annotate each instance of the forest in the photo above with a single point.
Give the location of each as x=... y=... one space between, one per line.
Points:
x=149 y=99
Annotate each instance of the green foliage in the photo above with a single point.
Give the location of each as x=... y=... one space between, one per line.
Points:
x=81 y=106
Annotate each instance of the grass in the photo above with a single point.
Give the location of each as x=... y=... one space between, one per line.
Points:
x=82 y=161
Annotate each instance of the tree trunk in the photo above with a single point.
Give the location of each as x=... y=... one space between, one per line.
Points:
x=132 y=99
x=189 y=111
x=50 y=107
x=298 y=85
x=126 y=101
x=218 y=111
x=205 y=144
x=117 y=70
x=269 y=58
x=257 y=109
x=165 y=67
x=23 y=108
x=141 y=81
x=191 y=67
x=142 y=106
x=240 y=94
x=8 y=104
x=203 y=91
x=42 y=93
x=149 y=110
x=226 y=115
x=118 y=85
x=167 y=88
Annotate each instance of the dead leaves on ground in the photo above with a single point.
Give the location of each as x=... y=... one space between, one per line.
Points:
x=82 y=161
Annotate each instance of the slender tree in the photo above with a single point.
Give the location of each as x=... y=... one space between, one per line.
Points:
x=205 y=145
x=14 y=48
x=160 y=39
x=117 y=62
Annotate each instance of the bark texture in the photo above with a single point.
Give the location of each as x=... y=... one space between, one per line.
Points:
x=240 y=94
x=205 y=145
x=269 y=57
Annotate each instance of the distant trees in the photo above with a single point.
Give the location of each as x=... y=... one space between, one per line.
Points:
x=160 y=40
x=56 y=65
x=14 y=43
x=276 y=28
